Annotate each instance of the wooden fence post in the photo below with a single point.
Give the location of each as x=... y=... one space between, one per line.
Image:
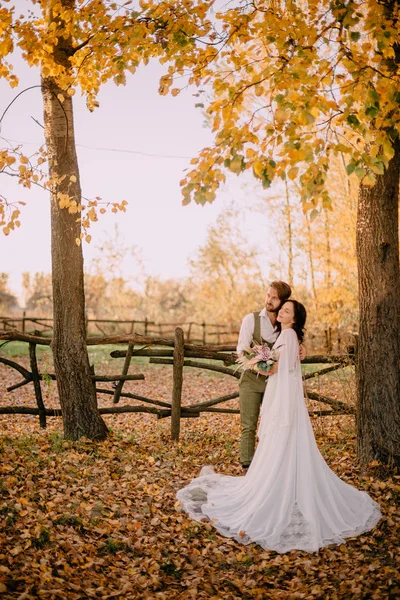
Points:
x=179 y=355
x=92 y=372
x=36 y=385
x=145 y=326
x=328 y=339
x=204 y=332
x=23 y=321
x=125 y=369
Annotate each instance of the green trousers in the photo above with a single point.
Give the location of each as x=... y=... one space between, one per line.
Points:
x=251 y=392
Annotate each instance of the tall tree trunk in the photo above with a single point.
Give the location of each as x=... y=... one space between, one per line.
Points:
x=71 y=362
x=288 y=215
x=311 y=258
x=328 y=269
x=378 y=413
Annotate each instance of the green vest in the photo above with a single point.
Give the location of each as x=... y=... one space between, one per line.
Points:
x=257 y=338
x=256 y=382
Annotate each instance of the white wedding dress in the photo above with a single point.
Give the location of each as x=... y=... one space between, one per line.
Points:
x=289 y=498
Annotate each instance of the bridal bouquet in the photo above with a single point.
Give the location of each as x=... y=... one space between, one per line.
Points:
x=258 y=358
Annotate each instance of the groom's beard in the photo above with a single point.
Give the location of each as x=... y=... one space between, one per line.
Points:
x=271 y=309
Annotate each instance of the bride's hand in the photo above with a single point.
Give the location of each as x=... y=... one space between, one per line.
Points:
x=272 y=371
x=302 y=352
x=274 y=368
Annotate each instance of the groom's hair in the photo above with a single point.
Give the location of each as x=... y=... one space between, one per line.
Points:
x=284 y=290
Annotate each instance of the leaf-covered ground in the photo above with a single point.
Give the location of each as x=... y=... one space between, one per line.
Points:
x=88 y=520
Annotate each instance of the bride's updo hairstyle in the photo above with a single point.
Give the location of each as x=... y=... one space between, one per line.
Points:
x=300 y=316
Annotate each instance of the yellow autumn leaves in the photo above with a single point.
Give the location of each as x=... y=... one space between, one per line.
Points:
x=84 y=45
x=298 y=84
x=289 y=85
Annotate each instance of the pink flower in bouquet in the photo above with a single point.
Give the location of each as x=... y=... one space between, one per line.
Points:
x=258 y=358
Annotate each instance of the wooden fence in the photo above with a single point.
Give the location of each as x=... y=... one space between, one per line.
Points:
x=195 y=333
x=165 y=351
x=326 y=339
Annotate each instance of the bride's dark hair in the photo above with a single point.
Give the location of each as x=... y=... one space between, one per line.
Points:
x=300 y=315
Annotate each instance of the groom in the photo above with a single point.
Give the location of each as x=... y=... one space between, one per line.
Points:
x=257 y=327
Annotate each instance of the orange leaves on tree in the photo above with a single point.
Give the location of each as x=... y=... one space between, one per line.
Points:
x=85 y=48
x=297 y=85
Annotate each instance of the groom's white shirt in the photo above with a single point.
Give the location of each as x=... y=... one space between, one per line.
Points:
x=268 y=331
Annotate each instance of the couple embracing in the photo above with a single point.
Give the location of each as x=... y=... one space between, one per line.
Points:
x=288 y=498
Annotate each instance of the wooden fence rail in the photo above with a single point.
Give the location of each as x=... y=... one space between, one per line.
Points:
x=174 y=352
x=202 y=333
x=195 y=332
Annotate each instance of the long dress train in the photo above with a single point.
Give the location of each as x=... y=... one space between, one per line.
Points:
x=289 y=498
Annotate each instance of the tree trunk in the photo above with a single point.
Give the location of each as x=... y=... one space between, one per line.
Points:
x=378 y=411
x=311 y=259
x=328 y=268
x=288 y=215
x=71 y=362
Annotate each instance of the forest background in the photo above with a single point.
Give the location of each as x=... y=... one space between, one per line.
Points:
x=228 y=275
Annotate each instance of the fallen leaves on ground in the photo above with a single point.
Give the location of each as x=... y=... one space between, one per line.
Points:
x=88 y=520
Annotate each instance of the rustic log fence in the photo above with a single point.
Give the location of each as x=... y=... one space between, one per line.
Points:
x=326 y=339
x=163 y=351
x=195 y=332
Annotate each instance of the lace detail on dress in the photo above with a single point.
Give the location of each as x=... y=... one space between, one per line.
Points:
x=298 y=533
x=193 y=497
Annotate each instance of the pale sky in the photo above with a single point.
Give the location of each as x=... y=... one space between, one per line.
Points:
x=159 y=135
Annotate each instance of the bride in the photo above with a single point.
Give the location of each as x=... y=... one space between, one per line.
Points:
x=289 y=498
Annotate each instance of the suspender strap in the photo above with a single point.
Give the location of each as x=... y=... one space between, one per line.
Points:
x=257 y=328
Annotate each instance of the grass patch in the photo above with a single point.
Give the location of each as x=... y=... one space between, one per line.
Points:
x=113 y=546
x=98 y=355
x=169 y=568
x=16 y=349
x=342 y=374
x=23 y=443
x=42 y=540
x=71 y=521
x=57 y=442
